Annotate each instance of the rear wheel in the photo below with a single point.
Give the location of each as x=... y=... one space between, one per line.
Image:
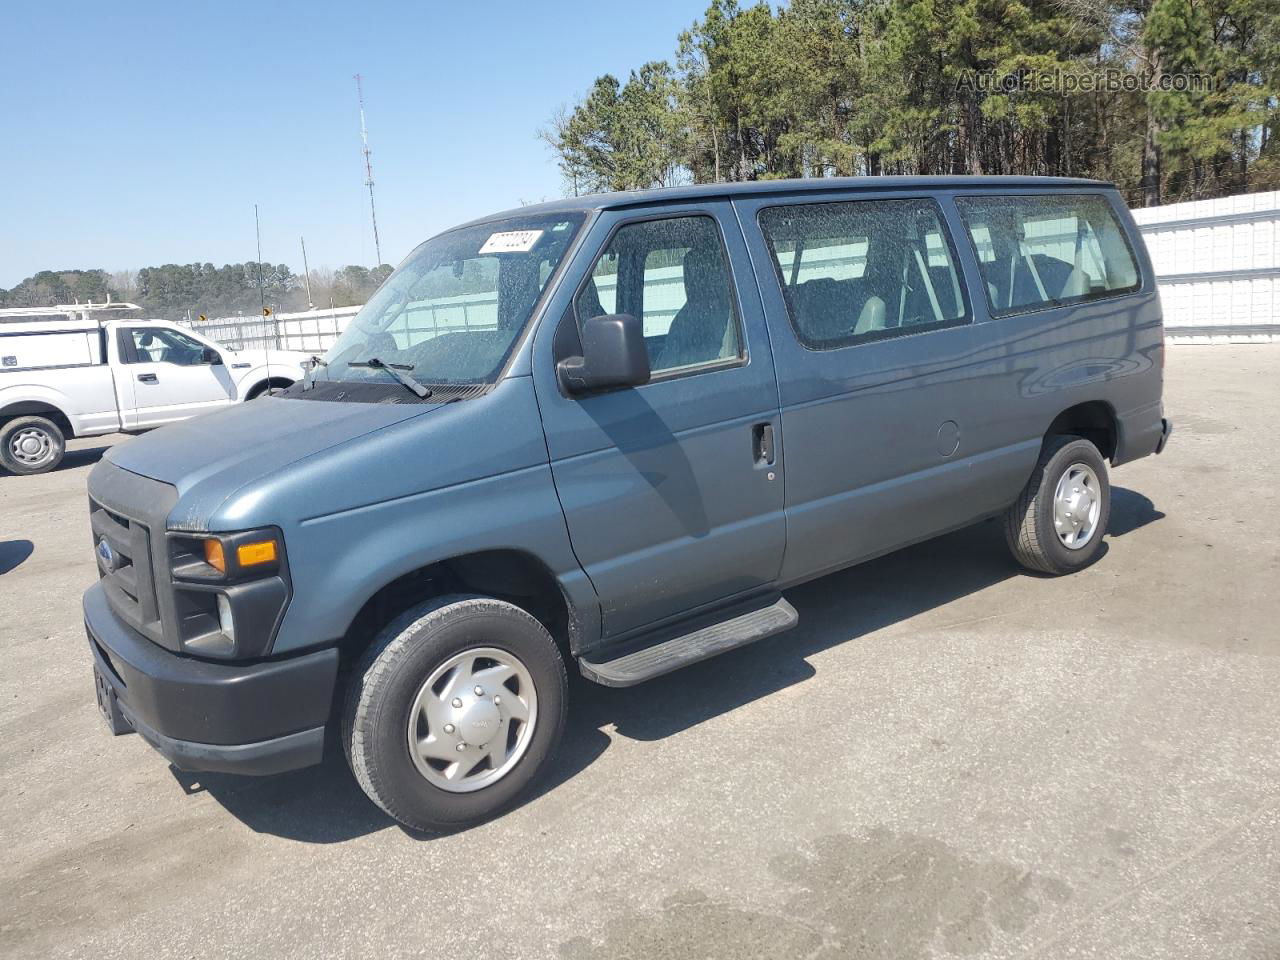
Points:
x=1056 y=525
x=31 y=445
x=454 y=711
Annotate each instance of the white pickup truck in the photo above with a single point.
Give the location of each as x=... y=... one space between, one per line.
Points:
x=87 y=369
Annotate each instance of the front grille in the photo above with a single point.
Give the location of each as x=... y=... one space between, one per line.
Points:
x=125 y=568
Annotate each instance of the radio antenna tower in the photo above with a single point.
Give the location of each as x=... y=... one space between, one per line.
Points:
x=368 y=172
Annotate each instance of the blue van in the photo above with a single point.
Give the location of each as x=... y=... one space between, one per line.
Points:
x=609 y=433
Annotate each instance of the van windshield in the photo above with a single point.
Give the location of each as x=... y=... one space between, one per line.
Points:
x=453 y=311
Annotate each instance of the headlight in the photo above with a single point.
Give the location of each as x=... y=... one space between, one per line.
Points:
x=258 y=554
x=230 y=591
x=226 y=556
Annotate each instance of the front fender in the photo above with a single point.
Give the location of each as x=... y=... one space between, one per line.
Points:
x=388 y=541
x=246 y=379
x=457 y=479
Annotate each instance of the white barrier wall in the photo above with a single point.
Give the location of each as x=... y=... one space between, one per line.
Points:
x=312 y=331
x=1218 y=266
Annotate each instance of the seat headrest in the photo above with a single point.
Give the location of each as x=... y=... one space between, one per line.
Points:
x=704 y=280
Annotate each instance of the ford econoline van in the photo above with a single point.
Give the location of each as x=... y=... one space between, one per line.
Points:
x=607 y=434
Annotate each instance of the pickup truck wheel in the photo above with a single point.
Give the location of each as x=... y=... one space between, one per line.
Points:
x=454 y=711
x=1057 y=523
x=31 y=445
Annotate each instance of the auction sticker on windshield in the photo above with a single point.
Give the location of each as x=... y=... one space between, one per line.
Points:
x=511 y=241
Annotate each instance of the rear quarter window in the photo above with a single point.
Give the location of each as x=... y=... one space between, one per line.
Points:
x=1043 y=251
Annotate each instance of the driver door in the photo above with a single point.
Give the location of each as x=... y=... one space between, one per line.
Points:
x=169 y=377
x=672 y=491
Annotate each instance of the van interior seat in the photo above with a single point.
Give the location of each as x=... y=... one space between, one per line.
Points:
x=381 y=345
x=1061 y=280
x=822 y=308
x=462 y=350
x=830 y=309
x=701 y=329
x=872 y=316
x=1078 y=284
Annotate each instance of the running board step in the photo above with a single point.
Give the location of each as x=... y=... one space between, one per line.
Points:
x=679 y=652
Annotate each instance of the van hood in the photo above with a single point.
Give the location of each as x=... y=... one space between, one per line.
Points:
x=241 y=443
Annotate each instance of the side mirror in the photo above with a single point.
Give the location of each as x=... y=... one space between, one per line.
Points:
x=613 y=355
x=211 y=356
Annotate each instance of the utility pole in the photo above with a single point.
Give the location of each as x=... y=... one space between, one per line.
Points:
x=306 y=273
x=368 y=171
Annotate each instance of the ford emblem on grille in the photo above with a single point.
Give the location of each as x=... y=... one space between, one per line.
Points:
x=107 y=554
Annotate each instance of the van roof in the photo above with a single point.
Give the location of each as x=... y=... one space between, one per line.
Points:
x=708 y=191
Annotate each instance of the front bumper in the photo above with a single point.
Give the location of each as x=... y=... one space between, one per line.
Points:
x=257 y=718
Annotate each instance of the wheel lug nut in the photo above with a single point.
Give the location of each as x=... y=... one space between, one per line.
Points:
x=457 y=702
x=461 y=747
x=479 y=691
x=449 y=728
x=497 y=700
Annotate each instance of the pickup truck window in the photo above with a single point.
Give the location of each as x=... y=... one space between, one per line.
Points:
x=1044 y=251
x=158 y=345
x=674 y=274
x=866 y=270
x=454 y=310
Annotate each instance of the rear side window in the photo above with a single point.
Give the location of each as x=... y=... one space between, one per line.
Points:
x=1046 y=251
x=863 y=270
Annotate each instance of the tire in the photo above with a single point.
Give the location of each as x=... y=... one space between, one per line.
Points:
x=31 y=445
x=268 y=388
x=1030 y=528
x=389 y=690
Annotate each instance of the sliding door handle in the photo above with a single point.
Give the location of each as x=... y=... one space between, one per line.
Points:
x=148 y=378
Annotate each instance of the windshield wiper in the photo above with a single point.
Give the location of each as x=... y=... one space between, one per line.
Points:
x=396 y=370
x=308 y=381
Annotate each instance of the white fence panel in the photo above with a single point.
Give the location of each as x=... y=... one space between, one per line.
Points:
x=312 y=331
x=1217 y=263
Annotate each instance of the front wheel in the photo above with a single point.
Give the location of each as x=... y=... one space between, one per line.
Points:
x=30 y=445
x=454 y=711
x=1056 y=525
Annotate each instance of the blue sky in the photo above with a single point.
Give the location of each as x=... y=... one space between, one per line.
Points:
x=141 y=133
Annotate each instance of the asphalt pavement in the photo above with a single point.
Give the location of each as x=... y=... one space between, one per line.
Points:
x=947 y=757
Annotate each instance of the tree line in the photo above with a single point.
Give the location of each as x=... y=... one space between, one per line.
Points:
x=179 y=291
x=1170 y=99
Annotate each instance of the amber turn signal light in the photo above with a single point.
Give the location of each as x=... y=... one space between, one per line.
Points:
x=214 y=556
x=254 y=554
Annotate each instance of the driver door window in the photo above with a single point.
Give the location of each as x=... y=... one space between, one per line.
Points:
x=158 y=345
x=674 y=275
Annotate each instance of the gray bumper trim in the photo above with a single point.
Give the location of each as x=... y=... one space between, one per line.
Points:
x=301 y=749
